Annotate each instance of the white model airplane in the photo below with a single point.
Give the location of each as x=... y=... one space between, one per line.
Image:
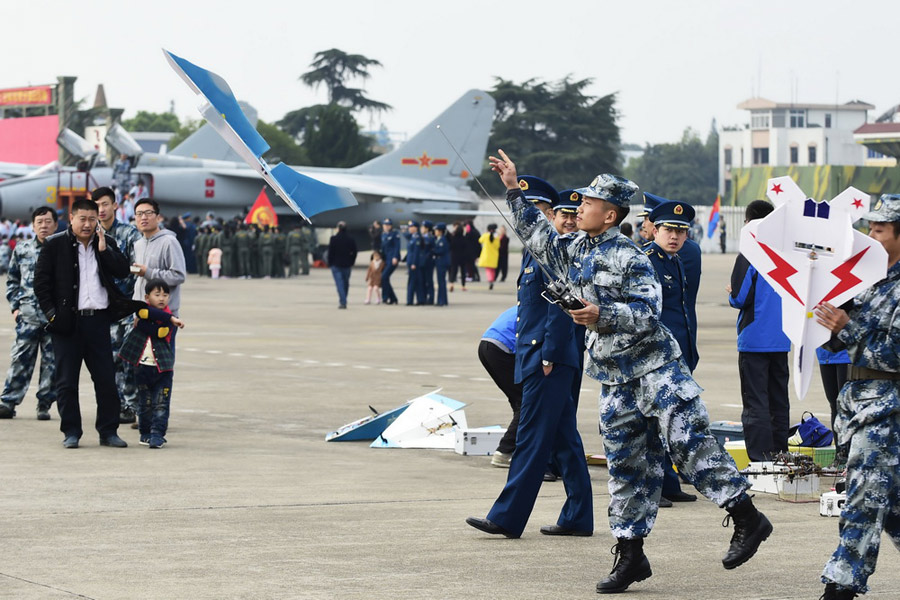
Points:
x=808 y=251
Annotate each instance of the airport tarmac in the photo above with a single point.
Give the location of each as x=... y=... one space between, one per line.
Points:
x=247 y=500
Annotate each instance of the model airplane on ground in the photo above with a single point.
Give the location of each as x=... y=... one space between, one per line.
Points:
x=809 y=253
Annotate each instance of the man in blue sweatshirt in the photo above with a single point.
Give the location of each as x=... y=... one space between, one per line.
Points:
x=762 y=355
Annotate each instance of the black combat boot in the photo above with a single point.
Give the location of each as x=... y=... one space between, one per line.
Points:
x=630 y=565
x=833 y=592
x=751 y=528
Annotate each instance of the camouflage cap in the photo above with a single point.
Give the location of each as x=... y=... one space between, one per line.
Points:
x=885 y=210
x=611 y=188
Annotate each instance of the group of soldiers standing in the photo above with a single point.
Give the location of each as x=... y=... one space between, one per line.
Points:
x=253 y=251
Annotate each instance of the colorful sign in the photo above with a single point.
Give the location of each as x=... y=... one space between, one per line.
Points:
x=425 y=161
x=26 y=96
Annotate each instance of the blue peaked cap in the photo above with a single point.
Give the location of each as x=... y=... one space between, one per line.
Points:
x=569 y=201
x=536 y=189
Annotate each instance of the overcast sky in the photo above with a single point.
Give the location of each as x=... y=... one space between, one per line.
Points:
x=673 y=64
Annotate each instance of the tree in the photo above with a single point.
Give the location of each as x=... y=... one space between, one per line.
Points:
x=183 y=132
x=283 y=147
x=555 y=131
x=330 y=135
x=149 y=121
x=333 y=69
x=687 y=170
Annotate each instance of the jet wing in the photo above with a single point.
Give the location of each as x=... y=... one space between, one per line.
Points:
x=305 y=195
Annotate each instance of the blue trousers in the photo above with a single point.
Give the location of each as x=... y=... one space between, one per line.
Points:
x=387 y=291
x=415 y=286
x=547 y=428
x=441 y=285
x=342 y=282
x=428 y=283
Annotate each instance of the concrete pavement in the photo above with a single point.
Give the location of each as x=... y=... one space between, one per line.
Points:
x=248 y=501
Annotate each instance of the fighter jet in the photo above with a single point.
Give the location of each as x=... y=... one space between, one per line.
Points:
x=421 y=179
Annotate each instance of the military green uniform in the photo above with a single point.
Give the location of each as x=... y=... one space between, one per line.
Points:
x=294 y=243
x=254 y=253
x=200 y=253
x=242 y=241
x=266 y=252
x=30 y=334
x=309 y=239
x=278 y=254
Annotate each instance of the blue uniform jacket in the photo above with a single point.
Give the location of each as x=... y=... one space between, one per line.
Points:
x=427 y=250
x=543 y=330
x=676 y=313
x=441 y=251
x=414 y=250
x=390 y=246
x=759 y=322
x=690 y=255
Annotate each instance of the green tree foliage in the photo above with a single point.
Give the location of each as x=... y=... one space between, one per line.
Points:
x=330 y=135
x=149 y=121
x=334 y=68
x=555 y=130
x=283 y=147
x=184 y=131
x=687 y=170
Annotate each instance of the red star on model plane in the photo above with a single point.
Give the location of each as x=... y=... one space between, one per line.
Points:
x=809 y=253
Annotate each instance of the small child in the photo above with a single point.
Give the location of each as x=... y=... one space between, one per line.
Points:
x=148 y=347
x=214 y=260
x=373 y=277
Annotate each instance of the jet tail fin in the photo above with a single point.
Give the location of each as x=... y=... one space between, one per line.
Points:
x=207 y=143
x=427 y=156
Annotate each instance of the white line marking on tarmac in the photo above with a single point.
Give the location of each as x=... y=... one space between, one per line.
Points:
x=214 y=352
x=310 y=361
x=733 y=405
x=389 y=370
x=361 y=367
x=193 y=349
x=478 y=379
x=284 y=358
x=450 y=376
x=236 y=354
x=263 y=356
x=334 y=364
x=419 y=373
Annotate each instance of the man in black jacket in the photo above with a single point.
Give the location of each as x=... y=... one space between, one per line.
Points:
x=73 y=282
x=341 y=258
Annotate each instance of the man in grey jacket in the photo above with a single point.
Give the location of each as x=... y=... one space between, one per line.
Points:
x=157 y=255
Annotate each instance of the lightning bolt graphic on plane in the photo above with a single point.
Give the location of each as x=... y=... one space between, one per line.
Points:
x=782 y=271
x=847 y=279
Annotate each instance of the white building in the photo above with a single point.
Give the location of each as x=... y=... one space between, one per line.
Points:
x=792 y=134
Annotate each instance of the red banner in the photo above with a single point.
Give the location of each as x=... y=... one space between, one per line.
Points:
x=262 y=212
x=29 y=95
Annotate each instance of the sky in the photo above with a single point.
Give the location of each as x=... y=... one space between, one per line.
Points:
x=672 y=65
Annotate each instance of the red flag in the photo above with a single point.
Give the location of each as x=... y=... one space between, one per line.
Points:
x=262 y=212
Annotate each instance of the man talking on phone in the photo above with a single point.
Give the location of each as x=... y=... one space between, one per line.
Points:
x=74 y=285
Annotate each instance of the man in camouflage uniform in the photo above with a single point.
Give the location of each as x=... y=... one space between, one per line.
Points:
x=125 y=235
x=648 y=400
x=30 y=322
x=868 y=416
x=278 y=253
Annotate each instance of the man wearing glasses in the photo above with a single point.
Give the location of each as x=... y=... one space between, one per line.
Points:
x=157 y=255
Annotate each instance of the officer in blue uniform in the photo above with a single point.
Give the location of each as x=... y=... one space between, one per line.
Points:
x=415 y=262
x=428 y=261
x=390 y=250
x=690 y=255
x=549 y=364
x=670 y=224
x=441 y=254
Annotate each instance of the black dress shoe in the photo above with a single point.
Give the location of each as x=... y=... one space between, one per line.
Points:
x=7 y=411
x=488 y=527
x=71 y=441
x=664 y=502
x=680 y=496
x=560 y=530
x=551 y=476
x=113 y=441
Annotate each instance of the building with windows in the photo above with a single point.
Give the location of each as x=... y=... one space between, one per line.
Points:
x=792 y=135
